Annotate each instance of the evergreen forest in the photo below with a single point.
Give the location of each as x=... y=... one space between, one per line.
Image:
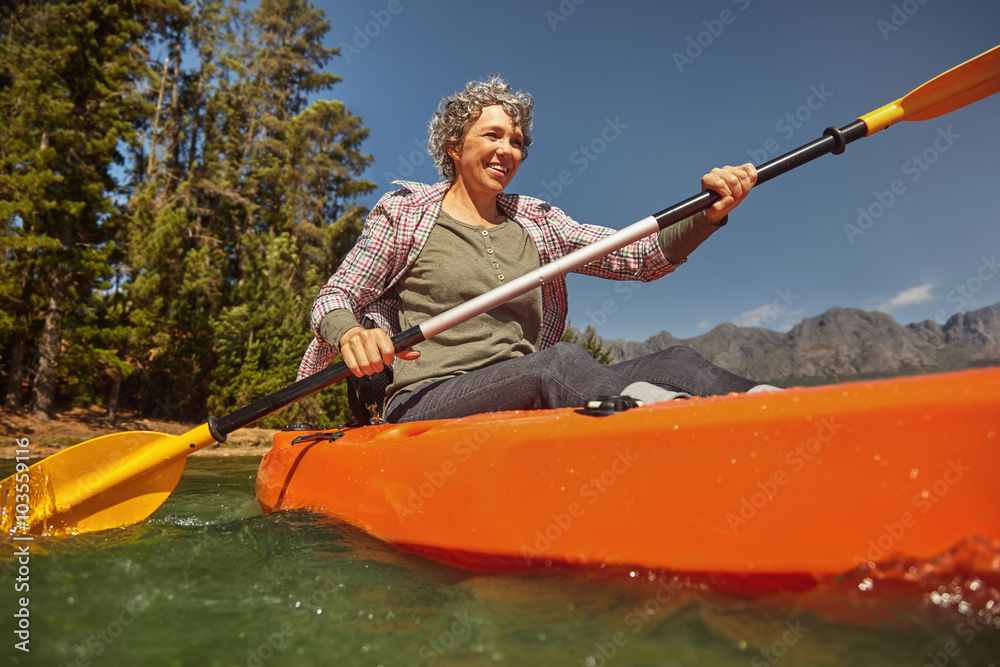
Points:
x=176 y=183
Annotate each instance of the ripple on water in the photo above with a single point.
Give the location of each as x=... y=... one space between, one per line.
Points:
x=210 y=580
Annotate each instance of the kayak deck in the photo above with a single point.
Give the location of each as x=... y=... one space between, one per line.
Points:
x=808 y=480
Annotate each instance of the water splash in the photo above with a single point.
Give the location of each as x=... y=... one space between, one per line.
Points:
x=27 y=502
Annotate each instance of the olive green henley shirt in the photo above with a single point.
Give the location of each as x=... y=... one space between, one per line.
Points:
x=462 y=261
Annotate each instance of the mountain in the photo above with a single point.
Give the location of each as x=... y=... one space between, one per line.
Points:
x=841 y=344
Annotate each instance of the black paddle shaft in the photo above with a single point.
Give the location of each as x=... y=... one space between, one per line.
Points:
x=223 y=426
x=833 y=141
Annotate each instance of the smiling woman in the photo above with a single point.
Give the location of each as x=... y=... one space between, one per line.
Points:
x=484 y=164
x=457 y=113
x=428 y=248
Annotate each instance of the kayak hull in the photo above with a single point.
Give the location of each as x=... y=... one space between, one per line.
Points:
x=808 y=480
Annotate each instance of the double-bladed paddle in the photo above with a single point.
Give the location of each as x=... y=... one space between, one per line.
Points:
x=120 y=479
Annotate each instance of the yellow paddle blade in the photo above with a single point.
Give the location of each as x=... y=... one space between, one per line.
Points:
x=111 y=481
x=960 y=86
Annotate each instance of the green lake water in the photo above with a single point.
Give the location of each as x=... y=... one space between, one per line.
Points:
x=211 y=580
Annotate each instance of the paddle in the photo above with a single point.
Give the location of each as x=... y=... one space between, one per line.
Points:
x=122 y=478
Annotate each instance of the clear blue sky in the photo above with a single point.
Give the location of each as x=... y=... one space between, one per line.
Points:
x=680 y=87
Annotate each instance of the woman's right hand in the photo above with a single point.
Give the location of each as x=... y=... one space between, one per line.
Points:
x=369 y=351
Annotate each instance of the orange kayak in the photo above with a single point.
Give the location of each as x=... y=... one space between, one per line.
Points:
x=809 y=480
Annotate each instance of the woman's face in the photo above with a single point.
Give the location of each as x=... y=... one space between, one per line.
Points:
x=488 y=157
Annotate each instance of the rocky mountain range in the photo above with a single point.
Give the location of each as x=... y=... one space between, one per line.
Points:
x=840 y=345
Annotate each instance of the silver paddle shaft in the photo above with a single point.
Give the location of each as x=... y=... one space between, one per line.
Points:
x=538 y=277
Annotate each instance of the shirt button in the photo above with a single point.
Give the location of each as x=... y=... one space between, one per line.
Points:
x=495 y=265
x=500 y=276
x=489 y=251
x=485 y=233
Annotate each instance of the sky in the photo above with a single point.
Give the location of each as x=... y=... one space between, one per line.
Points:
x=635 y=101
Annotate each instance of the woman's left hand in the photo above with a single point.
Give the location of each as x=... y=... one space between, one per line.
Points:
x=732 y=184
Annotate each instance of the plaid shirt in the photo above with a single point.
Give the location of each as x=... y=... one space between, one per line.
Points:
x=397 y=229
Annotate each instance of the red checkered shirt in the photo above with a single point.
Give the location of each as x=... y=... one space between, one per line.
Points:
x=397 y=229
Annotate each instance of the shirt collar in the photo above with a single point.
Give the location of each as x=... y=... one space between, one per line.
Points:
x=511 y=204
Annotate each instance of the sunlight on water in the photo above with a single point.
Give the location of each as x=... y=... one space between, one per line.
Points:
x=210 y=580
x=26 y=500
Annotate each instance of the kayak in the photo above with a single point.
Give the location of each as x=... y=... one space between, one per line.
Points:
x=817 y=480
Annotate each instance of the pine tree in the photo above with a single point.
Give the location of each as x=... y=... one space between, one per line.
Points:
x=589 y=341
x=235 y=226
x=304 y=166
x=164 y=221
x=70 y=70
x=176 y=244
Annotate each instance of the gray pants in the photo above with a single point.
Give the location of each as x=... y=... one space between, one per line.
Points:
x=561 y=376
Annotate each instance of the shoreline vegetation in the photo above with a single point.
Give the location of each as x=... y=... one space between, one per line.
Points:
x=177 y=182
x=71 y=427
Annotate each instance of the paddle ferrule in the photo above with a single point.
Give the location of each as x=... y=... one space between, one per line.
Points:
x=213 y=429
x=832 y=141
x=407 y=339
x=685 y=209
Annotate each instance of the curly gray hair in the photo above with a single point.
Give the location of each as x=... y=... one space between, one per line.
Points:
x=457 y=113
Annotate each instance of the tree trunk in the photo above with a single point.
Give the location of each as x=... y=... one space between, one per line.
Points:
x=44 y=390
x=176 y=123
x=116 y=392
x=151 y=164
x=16 y=370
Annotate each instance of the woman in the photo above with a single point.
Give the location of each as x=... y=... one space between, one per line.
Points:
x=427 y=248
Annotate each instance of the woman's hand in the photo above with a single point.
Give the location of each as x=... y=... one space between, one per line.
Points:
x=732 y=184
x=369 y=351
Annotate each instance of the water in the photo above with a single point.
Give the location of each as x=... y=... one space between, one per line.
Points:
x=211 y=580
